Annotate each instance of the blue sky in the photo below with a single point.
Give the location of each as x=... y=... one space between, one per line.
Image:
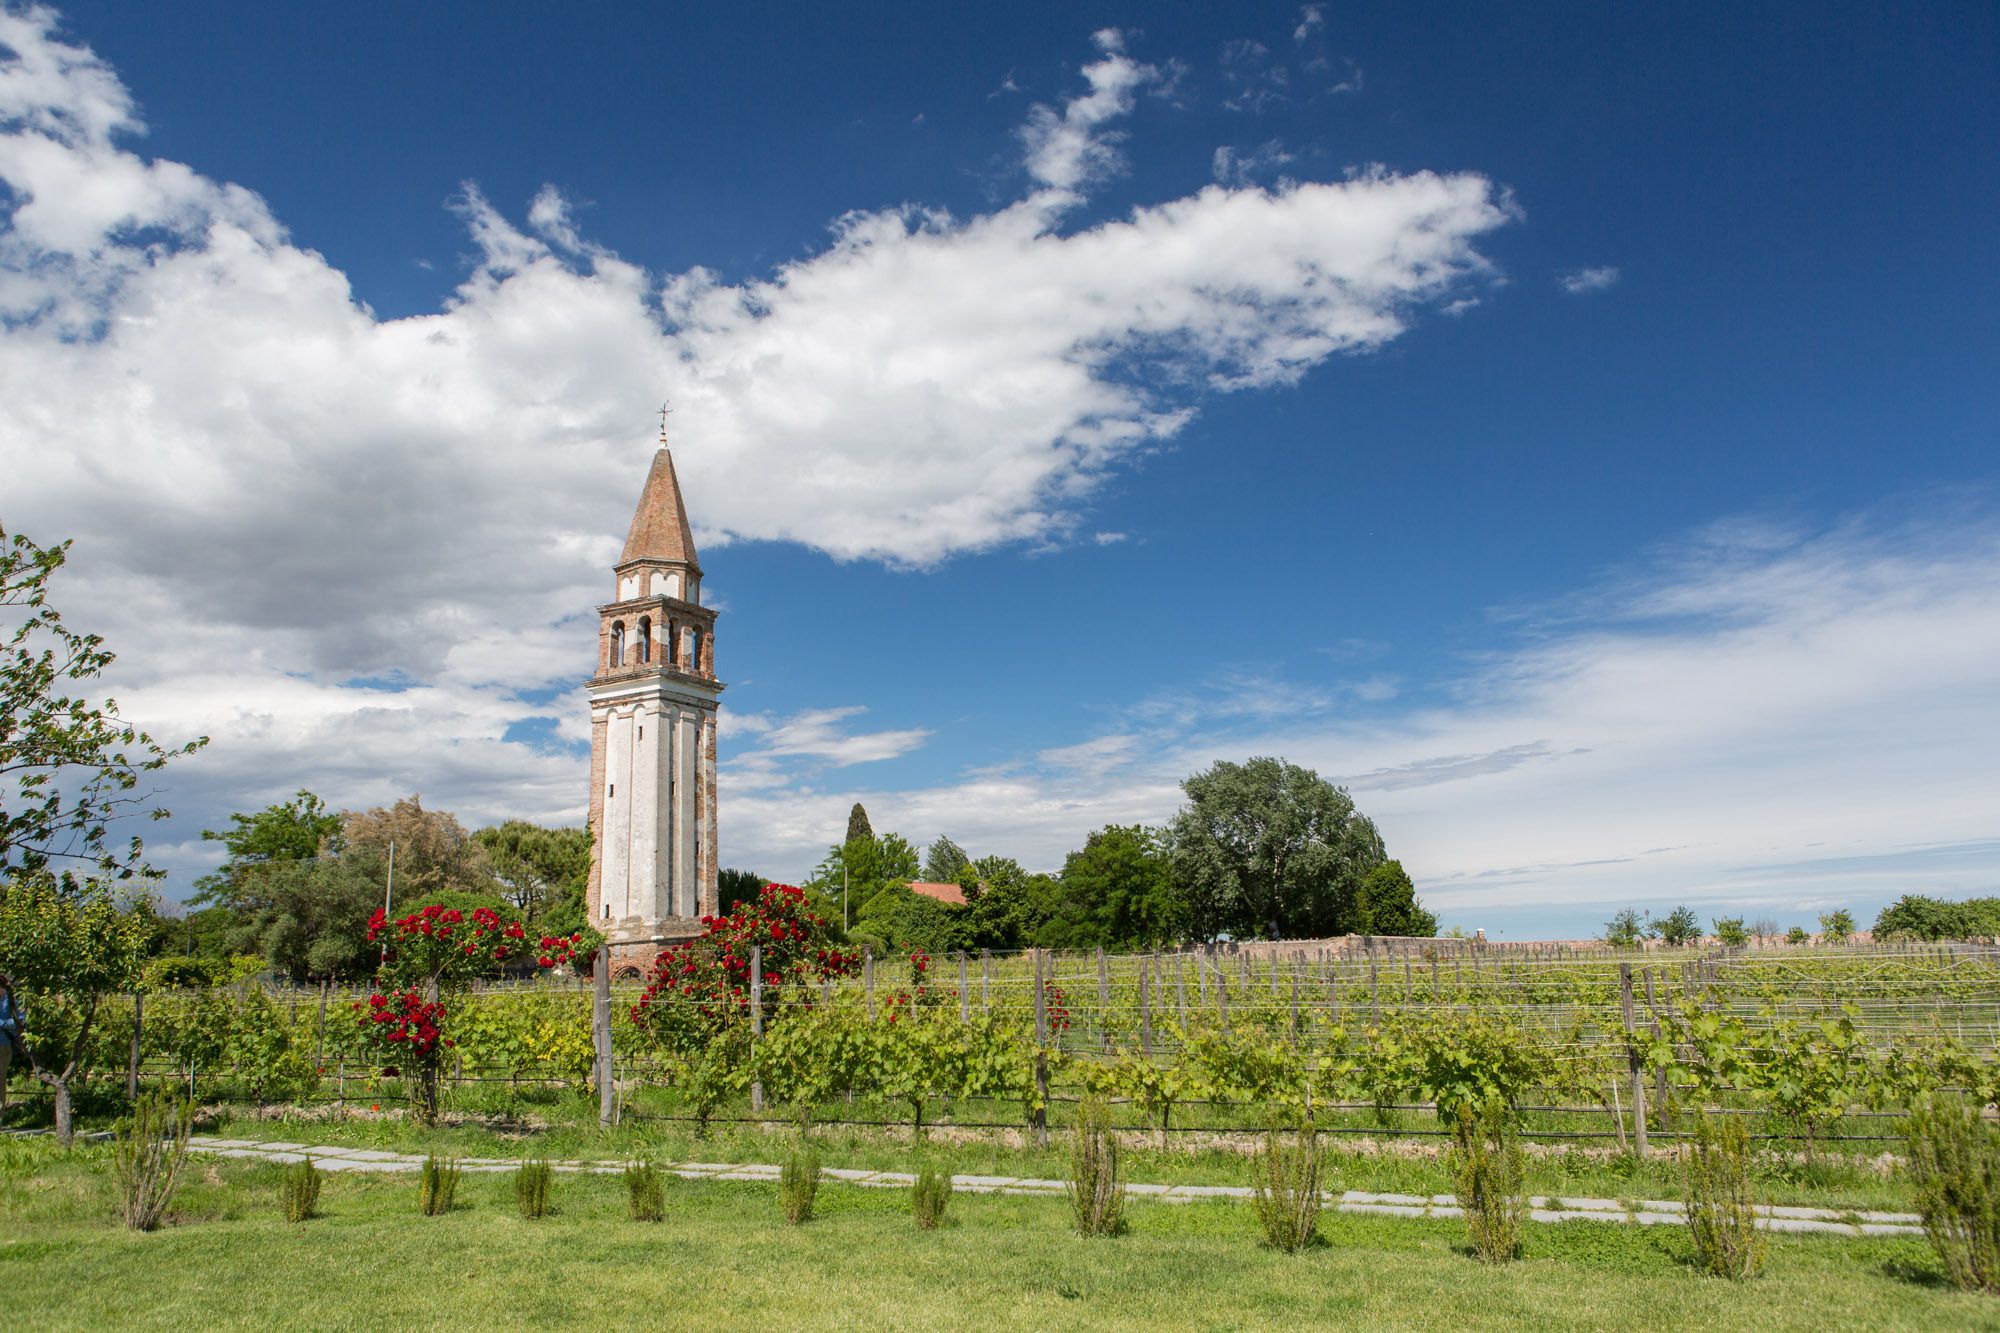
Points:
x=1574 y=430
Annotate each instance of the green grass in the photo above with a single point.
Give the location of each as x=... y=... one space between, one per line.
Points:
x=724 y=1259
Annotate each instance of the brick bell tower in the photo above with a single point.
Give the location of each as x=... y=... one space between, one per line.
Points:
x=652 y=736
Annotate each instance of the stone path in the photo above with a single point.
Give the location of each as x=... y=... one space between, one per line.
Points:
x=1638 y=1212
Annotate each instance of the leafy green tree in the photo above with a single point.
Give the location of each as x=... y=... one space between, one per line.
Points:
x=1796 y=935
x=1388 y=905
x=310 y=918
x=945 y=861
x=862 y=868
x=736 y=886
x=538 y=869
x=1015 y=908
x=1915 y=917
x=858 y=827
x=65 y=947
x=1267 y=847
x=1117 y=891
x=1677 y=928
x=1730 y=932
x=1625 y=929
x=294 y=830
x=69 y=764
x=902 y=919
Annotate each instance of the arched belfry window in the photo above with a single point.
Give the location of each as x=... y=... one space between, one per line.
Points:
x=694 y=650
x=645 y=638
x=618 y=643
x=673 y=644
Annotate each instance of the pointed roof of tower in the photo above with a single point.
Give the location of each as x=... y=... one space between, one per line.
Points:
x=660 y=529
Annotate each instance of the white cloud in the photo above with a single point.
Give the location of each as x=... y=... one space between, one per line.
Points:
x=1231 y=166
x=274 y=491
x=1761 y=717
x=1583 y=280
x=1312 y=18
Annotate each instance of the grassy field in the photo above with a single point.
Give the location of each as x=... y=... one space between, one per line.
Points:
x=723 y=1260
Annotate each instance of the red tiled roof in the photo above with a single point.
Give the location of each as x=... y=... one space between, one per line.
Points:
x=949 y=894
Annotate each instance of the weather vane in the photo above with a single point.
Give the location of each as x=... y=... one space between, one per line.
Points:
x=665 y=412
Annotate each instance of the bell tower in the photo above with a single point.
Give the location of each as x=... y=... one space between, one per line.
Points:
x=652 y=734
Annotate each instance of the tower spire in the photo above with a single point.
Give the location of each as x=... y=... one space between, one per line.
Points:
x=660 y=528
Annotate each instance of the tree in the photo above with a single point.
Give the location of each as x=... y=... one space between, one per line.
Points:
x=1678 y=927
x=539 y=870
x=1117 y=891
x=1839 y=923
x=433 y=850
x=736 y=886
x=309 y=918
x=1796 y=935
x=1625 y=929
x=74 y=765
x=899 y=918
x=858 y=828
x=1269 y=847
x=1387 y=905
x=1730 y=932
x=860 y=869
x=66 y=946
x=1764 y=928
x=294 y=830
x=945 y=861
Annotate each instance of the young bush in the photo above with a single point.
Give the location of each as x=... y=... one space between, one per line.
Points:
x=1955 y=1166
x=299 y=1190
x=437 y=1183
x=149 y=1152
x=533 y=1183
x=931 y=1196
x=798 y=1185
x=1287 y=1195
x=644 y=1193
x=1096 y=1180
x=1488 y=1170
x=1722 y=1218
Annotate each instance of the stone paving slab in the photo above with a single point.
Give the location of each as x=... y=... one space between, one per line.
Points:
x=1791 y=1219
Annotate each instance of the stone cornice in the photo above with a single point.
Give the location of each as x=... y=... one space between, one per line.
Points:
x=662 y=681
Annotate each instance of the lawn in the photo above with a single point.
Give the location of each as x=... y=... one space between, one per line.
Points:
x=723 y=1260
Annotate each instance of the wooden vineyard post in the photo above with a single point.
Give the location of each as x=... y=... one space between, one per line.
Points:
x=319 y=1040
x=964 y=994
x=986 y=980
x=1659 y=1075
x=1374 y=990
x=1041 y=1057
x=1180 y=987
x=1434 y=976
x=1295 y=1008
x=1632 y=1062
x=1222 y=1001
x=868 y=978
x=1409 y=980
x=1275 y=995
x=756 y=1022
x=132 y=1069
x=1145 y=1013
x=1201 y=979
x=1243 y=969
x=1103 y=1004
x=600 y=1034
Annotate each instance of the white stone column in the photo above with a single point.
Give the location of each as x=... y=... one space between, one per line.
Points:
x=687 y=733
x=617 y=873
x=646 y=882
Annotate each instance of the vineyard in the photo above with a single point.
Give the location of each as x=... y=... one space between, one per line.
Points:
x=1814 y=1046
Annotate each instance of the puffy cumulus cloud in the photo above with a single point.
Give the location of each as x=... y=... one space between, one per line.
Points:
x=275 y=492
x=1761 y=717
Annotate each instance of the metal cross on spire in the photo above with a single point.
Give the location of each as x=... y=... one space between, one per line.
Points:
x=665 y=412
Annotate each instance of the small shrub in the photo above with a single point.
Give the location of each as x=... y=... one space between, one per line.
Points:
x=150 y=1149
x=1955 y=1166
x=533 y=1183
x=930 y=1197
x=1488 y=1171
x=1096 y=1179
x=437 y=1183
x=1722 y=1217
x=1287 y=1196
x=645 y=1194
x=299 y=1190
x=798 y=1185
x=1796 y=935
